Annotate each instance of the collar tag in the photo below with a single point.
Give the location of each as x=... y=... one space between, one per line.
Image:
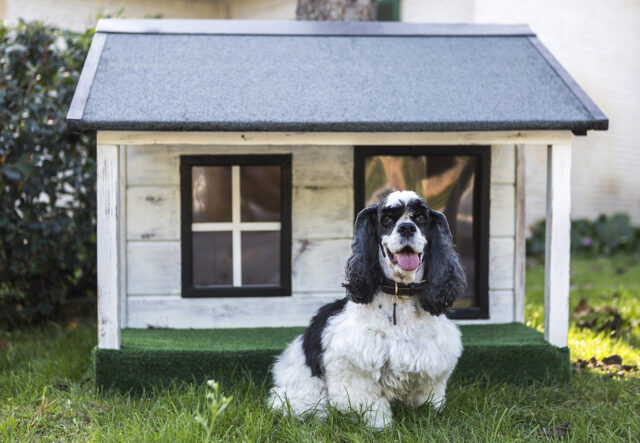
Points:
x=395 y=302
x=400 y=291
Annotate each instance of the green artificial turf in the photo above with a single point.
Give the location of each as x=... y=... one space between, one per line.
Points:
x=149 y=357
x=217 y=340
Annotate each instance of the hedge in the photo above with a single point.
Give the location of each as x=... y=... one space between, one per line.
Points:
x=47 y=176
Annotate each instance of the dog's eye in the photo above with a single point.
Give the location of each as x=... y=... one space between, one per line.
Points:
x=386 y=220
x=421 y=218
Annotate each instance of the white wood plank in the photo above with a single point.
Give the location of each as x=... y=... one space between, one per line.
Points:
x=152 y=166
x=334 y=138
x=108 y=245
x=153 y=267
x=176 y=312
x=122 y=191
x=321 y=212
x=158 y=165
x=502 y=212
x=153 y=213
x=501 y=263
x=318 y=265
x=322 y=166
x=503 y=164
x=501 y=306
x=520 y=261
x=557 y=246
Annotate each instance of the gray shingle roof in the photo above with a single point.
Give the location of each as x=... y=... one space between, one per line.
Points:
x=210 y=75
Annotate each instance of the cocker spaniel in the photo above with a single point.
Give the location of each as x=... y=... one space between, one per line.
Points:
x=388 y=339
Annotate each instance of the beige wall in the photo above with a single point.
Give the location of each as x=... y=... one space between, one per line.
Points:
x=263 y=9
x=80 y=14
x=439 y=11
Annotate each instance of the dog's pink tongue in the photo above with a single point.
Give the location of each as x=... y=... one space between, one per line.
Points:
x=408 y=262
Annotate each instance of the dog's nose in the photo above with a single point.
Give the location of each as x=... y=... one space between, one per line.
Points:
x=406 y=229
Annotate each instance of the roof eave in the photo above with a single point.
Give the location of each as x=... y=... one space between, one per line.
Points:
x=309 y=28
x=578 y=128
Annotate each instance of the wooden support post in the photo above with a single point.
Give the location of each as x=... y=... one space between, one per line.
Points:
x=122 y=235
x=520 y=232
x=108 y=239
x=558 y=245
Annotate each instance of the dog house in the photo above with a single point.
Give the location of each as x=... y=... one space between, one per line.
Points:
x=234 y=155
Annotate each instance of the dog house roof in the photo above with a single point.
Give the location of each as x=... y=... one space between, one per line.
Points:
x=224 y=75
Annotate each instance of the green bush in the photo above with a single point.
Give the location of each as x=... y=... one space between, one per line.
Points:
x=47 y=176
x=604 y=236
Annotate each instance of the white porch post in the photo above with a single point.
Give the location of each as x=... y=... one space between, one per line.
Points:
x=520 y=259
x=108 y=245
x=558 y=244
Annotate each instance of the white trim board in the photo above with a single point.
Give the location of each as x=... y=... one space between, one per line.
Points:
x=334 y=138
x=520 y=260
x=108 y=245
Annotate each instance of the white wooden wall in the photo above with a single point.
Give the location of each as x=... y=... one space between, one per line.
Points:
x=502 y=237
x=322 y=211
x=502 y=234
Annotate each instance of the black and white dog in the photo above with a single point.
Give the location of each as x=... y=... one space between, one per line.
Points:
x=388 y=340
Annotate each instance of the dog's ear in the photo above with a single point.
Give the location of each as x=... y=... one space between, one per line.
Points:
x=445 y=279
x=363 y=269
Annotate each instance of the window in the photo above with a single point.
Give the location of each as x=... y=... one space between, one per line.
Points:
x=454 y=180
x=236 y=225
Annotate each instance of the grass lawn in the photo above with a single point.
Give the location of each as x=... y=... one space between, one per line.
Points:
x=47 y=391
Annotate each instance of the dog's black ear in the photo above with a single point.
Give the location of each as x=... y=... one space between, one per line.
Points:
x=363 y=269
x=445 y=279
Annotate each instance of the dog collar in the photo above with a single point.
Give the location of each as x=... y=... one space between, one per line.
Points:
x=400 y=291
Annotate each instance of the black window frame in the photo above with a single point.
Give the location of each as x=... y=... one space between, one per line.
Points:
x=187 y=162
x=481 y=207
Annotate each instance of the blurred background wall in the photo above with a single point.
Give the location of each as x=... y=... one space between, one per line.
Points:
x=80 y=14
x=597 y=41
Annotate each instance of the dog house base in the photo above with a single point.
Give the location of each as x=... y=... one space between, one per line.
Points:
x=512 y=353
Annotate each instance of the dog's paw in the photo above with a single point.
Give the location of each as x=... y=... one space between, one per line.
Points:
x=437 y=403
x=277 y=400
x=378 y=418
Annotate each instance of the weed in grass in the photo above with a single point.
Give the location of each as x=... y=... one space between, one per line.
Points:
x=216 y=404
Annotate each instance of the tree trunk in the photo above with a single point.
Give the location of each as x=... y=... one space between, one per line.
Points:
x=337 y=10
